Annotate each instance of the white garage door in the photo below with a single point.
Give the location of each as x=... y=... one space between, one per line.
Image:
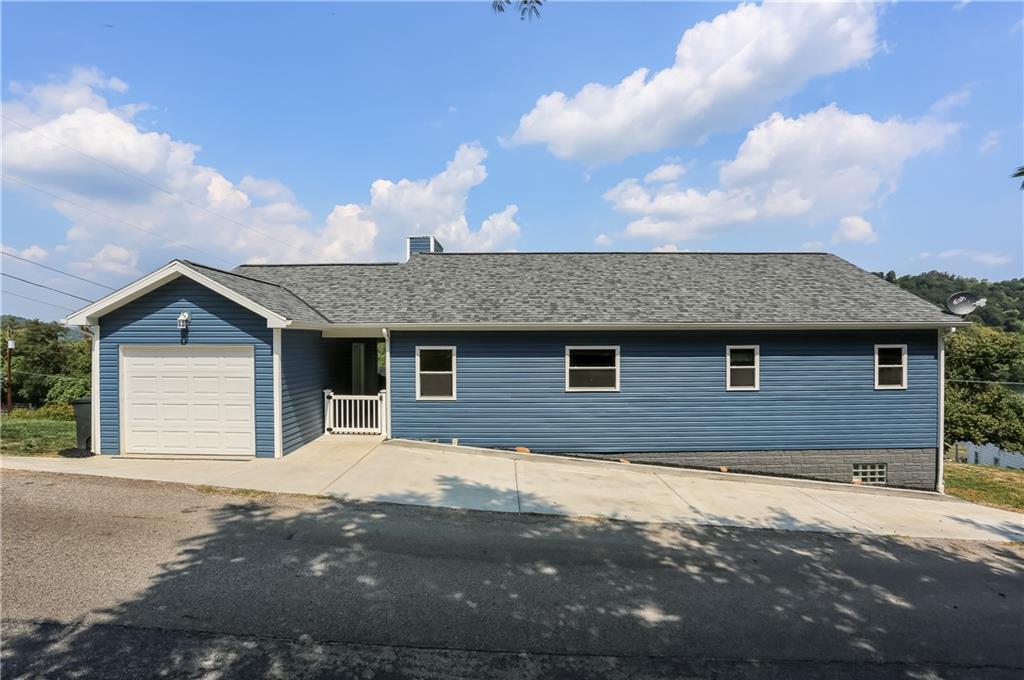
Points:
x=192 y=399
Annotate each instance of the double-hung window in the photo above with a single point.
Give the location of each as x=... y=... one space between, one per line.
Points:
x=743 y=367
x=890 y=367
x=591 y=369
x=435 y=373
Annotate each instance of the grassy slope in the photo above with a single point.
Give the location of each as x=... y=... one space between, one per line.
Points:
x=998 y=487
x=35 y=437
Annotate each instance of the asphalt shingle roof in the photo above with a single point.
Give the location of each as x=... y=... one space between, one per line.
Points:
x=594 y=288
x=271 y=295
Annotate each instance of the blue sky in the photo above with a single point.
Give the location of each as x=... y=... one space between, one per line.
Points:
x=885 y=134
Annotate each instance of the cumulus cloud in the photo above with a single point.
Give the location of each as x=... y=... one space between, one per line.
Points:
x=35 y=253
x=854 y=229
x=75 y=140
x=727 y=74
x=668 y=172
x=114 y=259
x=603 y=240
x=823 y=165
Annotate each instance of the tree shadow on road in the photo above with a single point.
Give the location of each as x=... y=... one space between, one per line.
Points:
x=283 y=588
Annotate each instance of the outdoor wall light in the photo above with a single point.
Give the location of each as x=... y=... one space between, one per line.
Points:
x=183 y=321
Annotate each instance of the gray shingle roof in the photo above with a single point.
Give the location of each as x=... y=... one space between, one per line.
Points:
x=598 y=288
x=271 y=295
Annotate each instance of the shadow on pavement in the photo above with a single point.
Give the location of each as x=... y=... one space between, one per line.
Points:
x=381 y=591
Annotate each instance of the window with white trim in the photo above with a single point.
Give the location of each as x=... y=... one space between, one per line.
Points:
x=592 y=369
x=890 y=367
x=435 y=373
x=743 y=367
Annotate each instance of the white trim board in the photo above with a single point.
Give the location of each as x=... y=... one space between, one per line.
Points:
x=278 y=409
x=89 y=314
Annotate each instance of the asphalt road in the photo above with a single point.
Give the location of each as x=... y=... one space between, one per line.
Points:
x=113 y=578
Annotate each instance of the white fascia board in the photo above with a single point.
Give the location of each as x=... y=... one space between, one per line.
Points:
x=373 y=330
x=89 y=314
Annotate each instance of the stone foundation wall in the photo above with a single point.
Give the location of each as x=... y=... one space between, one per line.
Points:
x=909 y=468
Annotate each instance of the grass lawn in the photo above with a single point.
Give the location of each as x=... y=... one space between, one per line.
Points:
x=985 y=484
x=35 y=436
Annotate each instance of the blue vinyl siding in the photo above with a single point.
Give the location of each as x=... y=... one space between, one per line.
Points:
x=817 y=392
x=152 y=319
x=303 y=372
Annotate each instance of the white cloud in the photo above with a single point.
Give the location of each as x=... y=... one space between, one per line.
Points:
x=990 y=259
x=823 y=165
x=666 y=248
x=255 y=219
x=990 y=141
x=813 y=246
x=114 y=259
x=267 y=189
x=668 y=172
x=603 y=240
x=854 y=229
x=34 y=252
x=960 y=4
x=727 y=73
x=952 y=100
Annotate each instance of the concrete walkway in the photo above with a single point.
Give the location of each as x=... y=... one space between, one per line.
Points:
x=366 y=469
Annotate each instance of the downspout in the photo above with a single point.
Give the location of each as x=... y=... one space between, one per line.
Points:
x=940 y=485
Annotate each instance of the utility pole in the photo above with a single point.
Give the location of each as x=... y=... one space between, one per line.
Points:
x=10 y=352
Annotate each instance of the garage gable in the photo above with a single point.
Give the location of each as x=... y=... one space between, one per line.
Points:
x=150 y=321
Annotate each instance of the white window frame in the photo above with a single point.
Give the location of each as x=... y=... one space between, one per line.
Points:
x=451 y=348
x=728 y=368
x=903 y=348
x=570 y=348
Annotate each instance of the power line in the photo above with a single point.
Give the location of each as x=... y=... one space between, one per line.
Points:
x=42 y=302
x=987 y=382
x=114 y=219
x=56 y=290
x=147 y=182
x=59 y=271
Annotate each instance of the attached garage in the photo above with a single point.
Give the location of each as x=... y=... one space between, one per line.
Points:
x=188 y=399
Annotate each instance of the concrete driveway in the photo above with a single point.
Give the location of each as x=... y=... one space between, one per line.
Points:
x=397 y=471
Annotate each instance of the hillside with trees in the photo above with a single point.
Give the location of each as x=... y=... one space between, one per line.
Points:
x=1005 y=306
x=984 y=363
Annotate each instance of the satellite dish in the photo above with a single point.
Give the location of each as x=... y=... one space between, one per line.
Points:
x=964 y=303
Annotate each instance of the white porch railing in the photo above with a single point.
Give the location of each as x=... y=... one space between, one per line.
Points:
x=355 y=413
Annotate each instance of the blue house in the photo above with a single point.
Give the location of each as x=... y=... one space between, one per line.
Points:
x=781 y=363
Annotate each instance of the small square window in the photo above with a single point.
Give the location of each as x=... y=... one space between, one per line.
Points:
x=890 y=367
x=435 y=373
x=873 y=474
x=743 y=367
x=591 y=369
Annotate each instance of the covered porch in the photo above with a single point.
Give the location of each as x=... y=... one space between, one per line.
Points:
x=355 y=390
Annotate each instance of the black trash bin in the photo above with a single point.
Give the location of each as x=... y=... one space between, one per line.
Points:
x=83 y=423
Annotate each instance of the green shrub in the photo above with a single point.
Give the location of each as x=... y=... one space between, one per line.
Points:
x=46 y=412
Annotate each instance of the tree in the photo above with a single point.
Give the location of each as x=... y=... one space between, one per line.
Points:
x=47 y=366
x=1018 y=175
x=527 y=9
x=978 y=408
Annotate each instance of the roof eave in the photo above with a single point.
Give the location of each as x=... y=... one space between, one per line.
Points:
x=376 y=327
x=90 y=314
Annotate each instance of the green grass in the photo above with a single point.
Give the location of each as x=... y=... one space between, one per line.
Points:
x=35 y=436
x=985 y=484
